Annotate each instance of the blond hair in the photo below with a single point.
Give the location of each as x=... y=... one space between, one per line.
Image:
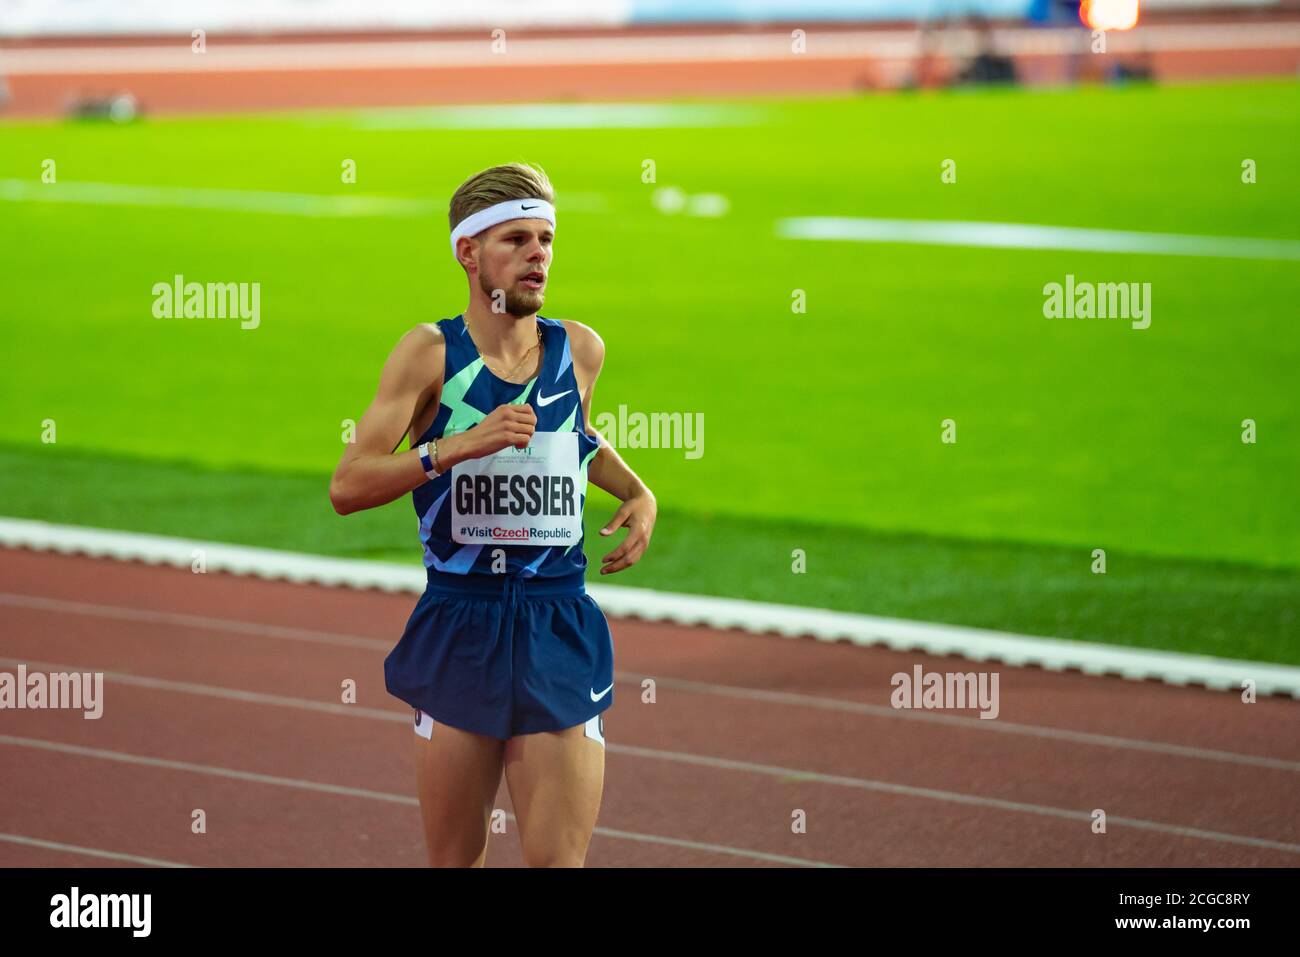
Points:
x=496 y=184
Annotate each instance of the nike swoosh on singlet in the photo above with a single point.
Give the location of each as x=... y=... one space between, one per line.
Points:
x=548 y=399
x=597 y=697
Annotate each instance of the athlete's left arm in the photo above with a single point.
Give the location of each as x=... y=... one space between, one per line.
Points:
x=607 y=469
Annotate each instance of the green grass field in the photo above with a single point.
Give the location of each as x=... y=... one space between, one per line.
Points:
x=822 y=428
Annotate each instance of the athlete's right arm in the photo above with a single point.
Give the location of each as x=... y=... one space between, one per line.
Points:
x=369 y=473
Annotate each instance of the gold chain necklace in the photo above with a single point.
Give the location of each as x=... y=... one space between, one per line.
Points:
x=503 y=375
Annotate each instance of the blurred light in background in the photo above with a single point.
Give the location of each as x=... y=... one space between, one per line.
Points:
x=1109 y=14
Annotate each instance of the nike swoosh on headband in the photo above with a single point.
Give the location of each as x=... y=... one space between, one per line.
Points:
x=548 y=399
x=597 y=697
x=502 y=212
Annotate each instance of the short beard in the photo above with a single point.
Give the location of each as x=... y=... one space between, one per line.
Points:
x=519 y=302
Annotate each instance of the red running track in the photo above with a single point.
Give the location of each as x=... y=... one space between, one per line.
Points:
x=45 y=75
x=224 y=693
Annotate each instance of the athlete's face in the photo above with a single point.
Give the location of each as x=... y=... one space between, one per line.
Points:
x=515 y=258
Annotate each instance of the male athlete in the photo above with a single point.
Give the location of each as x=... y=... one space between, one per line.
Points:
x=506 y=660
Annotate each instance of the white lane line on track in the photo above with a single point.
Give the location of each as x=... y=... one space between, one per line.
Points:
x=215 y=691
x=967 y=724
x=315 y=205
x=621 y=50
x=985 y=235
x=58 y=606
x=975 y=644
x=954 y=797
x=365 y=794
x=713 y=848
x=182 y=620
x=787 y=775
x=86 y=851
x=709 y=761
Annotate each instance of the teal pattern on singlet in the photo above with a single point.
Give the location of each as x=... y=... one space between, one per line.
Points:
x=470 y=391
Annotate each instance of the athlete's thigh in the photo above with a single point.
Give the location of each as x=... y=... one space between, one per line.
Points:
x=457 y=774
x=555 y=780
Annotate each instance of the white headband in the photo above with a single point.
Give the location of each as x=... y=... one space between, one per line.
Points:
x=502 y=212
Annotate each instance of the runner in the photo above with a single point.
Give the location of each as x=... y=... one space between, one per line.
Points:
x=506 y=661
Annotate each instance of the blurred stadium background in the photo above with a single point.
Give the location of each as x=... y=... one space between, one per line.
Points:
x=144 y=140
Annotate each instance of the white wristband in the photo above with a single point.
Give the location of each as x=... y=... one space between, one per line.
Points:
x=425 y=461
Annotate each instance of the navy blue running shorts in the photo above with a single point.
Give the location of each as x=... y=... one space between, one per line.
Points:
x=502 y=655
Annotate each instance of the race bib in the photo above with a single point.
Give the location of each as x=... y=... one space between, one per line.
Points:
x=527 y=496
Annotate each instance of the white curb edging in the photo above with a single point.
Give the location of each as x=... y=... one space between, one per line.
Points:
x=976 y=644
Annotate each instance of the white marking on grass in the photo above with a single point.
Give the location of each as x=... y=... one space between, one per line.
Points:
x=557 y=116
x=707 y=204
x=249 y=201
x=975 y=644
x=87 y=851
x=226 y=200
x=1027 y=236
x=366 y=794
